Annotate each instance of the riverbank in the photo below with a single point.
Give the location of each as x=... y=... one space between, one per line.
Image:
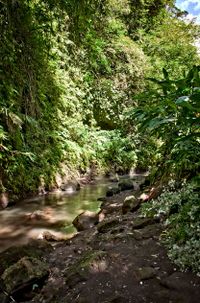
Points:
x=119 y=259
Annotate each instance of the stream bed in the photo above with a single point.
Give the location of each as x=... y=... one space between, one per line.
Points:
x=53 y=212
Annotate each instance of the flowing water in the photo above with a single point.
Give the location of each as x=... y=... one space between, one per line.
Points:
x=54 y=212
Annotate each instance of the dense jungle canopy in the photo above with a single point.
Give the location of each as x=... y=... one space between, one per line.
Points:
x=113 y=84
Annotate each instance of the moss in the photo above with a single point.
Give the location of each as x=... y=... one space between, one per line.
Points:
x=35 y=249
x=106 y=225
x=81 y=269
x=24 y=271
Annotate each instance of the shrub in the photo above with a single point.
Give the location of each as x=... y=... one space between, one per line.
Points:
x=181 y=210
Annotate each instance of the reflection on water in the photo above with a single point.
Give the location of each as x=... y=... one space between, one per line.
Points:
x=53 y=212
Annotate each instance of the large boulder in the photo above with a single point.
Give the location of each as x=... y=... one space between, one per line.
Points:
x=126 y=184
x=27 y=271
x=86 y=220
x=131 y=203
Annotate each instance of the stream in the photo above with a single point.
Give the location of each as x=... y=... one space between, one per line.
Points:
x=54 y=212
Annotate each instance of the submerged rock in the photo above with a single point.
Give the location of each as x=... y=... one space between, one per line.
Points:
x=23 y=273
x=86 y=220
x=131 y=203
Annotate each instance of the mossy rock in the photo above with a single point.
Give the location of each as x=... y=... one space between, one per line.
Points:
x=35 y=249
x=139 y=223
x=131 y=203
x=26 y=271
x=90 y=262
x=107 y=225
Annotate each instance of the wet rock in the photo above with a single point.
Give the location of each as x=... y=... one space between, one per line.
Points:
x=106 y=225
x=85 y=220
x=112 y=191
x=144 y=273
x=126 y=185
x=70 y=187
x=90 y=263
x=36 y=249
x=23 y=273
x=142 y=222
x=131 y=203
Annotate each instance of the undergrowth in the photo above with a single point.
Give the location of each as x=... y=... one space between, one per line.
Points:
x=179 y=208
